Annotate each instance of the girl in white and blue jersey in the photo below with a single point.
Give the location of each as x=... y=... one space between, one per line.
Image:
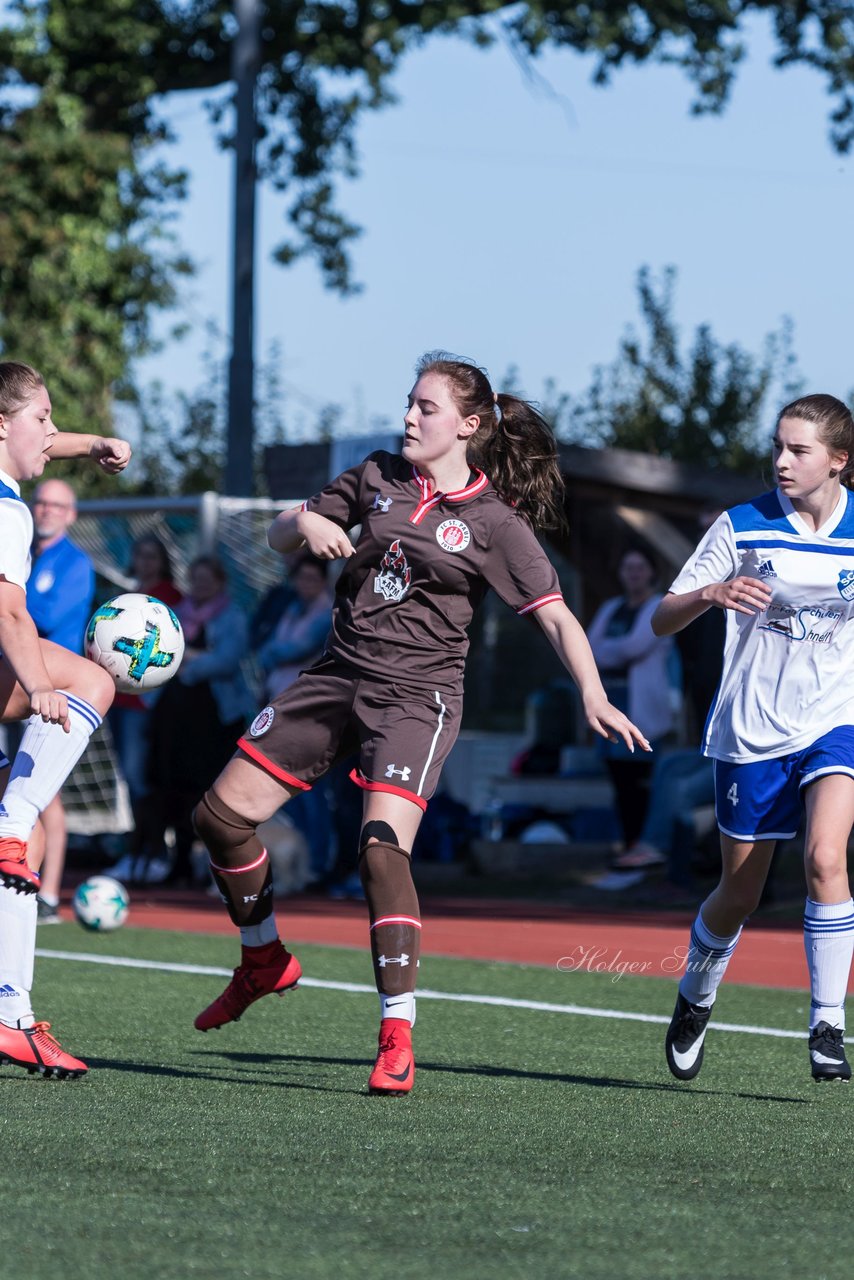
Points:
x=59 y=695
x=781 y=727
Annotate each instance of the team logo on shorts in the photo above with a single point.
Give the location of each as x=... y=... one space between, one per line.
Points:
x=394 y=576
x=845 y=584
x=262 y=722
x=453 y=535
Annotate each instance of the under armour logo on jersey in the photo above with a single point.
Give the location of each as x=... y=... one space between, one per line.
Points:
x=845 y=584
x=382 y=504
x=403 y=960
x=767 y=570
x=403 y=774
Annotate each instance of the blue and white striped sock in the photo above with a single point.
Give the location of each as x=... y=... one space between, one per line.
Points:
x=705 y=964
x=43 y=761
x=829 y=944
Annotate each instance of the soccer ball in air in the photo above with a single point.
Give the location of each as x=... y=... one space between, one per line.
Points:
x=137 y=639
x=100 y=903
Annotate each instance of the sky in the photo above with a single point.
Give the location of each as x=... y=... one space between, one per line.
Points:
x=507 y=223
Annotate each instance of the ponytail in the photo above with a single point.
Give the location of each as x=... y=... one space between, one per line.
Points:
x=514 y=444
x=520 y=457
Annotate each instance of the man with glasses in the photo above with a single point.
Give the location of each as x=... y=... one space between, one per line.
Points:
x=59 y=598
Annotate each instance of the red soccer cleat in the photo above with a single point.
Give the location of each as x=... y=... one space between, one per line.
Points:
x=36 y=1051
x=250 y=982
x=394 y=1069
x=15 y=872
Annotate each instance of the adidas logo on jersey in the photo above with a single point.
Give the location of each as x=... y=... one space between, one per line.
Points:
x=767 y=570
x=7 y=990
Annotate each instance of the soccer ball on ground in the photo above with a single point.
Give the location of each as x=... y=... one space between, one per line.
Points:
x=100 y=903
x=137 y=639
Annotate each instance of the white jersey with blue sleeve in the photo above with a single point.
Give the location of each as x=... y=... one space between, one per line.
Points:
x=787 y=672
x=16 y=532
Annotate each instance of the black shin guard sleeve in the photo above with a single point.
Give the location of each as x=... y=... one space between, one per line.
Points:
x=239 y=862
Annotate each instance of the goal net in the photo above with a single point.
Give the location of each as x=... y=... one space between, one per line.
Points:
x=95 y=796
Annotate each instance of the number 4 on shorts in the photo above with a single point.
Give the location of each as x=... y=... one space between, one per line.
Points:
x=732 y=794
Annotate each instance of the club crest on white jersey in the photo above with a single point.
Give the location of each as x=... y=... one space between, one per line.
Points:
x=453 y=535
x=845 y=585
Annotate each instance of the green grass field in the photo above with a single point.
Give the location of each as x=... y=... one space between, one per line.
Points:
x=535 y=1144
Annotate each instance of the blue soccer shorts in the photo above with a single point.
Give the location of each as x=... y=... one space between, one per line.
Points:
x=761 y=800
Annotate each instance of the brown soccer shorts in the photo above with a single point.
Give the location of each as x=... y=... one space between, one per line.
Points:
x=401 y=733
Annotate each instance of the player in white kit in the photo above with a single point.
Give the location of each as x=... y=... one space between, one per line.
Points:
x=781 y=727
x=59 y=695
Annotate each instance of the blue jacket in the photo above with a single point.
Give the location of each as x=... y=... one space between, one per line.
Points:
x=59 y=594
x=227 y=640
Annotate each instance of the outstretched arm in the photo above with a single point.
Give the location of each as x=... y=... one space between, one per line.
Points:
x=566 y=635
x=111 y=454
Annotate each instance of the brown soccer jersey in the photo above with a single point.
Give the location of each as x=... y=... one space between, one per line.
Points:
x=423 y=563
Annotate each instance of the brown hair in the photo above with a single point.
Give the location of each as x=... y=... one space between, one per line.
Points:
x=834 y=423
x=165 y=571
x=18 y=384
x=514 y=444
x=214 y=564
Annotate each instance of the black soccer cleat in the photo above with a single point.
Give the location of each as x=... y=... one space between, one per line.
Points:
x=683 y=1045
x=827 y=1055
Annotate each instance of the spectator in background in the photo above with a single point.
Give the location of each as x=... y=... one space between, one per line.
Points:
x=295 y=641
x=297 y=638
x=198 y=717
x=129 y=716
x=272 y=604
x=60 y=593
x=634 y=665
x=682 y=780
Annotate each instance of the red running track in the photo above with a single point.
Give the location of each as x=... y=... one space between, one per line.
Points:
x=649 y=944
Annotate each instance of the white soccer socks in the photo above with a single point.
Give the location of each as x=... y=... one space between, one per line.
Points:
x=829 y=945
x=706 y=963
x=17 y=953
x=43 y=761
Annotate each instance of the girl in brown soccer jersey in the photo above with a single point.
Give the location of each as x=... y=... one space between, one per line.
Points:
x=439 y=525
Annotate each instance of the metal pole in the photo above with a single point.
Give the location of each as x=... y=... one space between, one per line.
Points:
x=239 y=480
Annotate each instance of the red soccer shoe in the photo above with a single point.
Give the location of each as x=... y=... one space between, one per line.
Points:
x=15 y=872
x=394 y=1069
x=276 y=974
x=36 y=1051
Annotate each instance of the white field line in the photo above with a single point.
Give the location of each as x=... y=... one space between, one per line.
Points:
x=361 y=988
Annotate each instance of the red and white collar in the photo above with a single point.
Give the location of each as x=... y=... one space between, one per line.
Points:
x=429 y=499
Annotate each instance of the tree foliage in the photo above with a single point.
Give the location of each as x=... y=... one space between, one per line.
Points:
x=85 y=253
x=706 y=404
x=324 y=62
x=84 y=250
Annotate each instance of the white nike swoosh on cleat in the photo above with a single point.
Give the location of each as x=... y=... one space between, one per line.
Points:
x=821 y=1060
x=685 y=1060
